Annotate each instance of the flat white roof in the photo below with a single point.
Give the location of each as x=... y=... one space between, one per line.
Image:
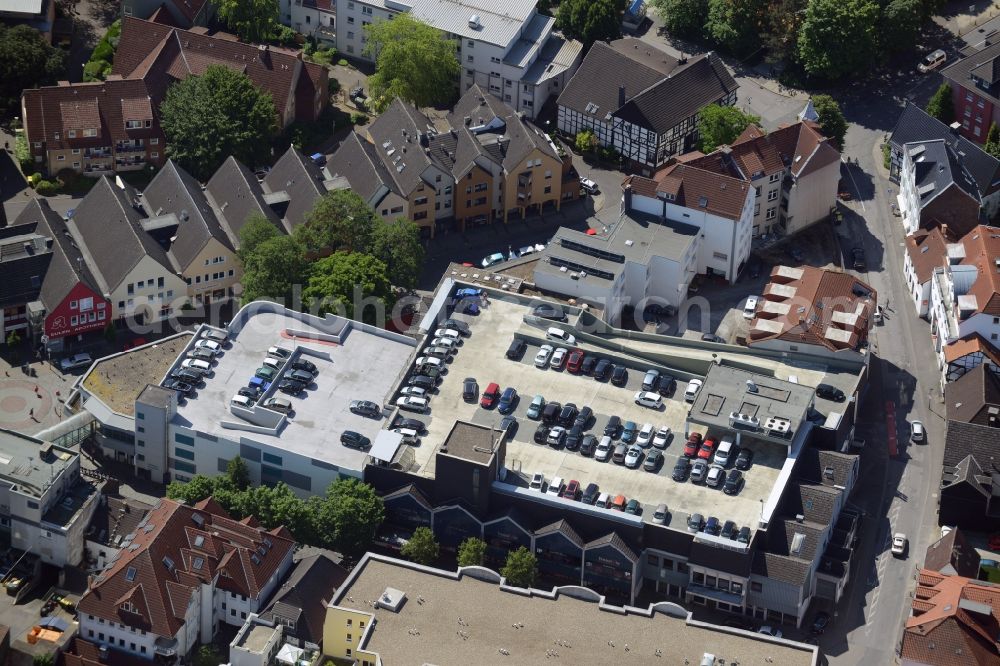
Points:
x=500 y=21
x=365 y=364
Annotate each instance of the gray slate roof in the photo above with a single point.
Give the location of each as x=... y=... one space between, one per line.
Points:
x=781 y=568
x=297 y=175
x=174 y=190
x=815 y=502
x=965 y=439
x=236 y=194
x=562 y=527
x=21 y=272
x=937 y=168
x=968 y=395
x=914 y=124
x=358 y=162
x=398 y=130
x=304 y=595
x=109 y=227
x=961 y=70
x=720 y=559
x=813 y=463
x=68 y=266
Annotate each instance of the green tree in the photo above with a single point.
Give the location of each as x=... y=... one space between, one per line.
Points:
x=397 y=245
x=585 y=141
x=589 y=20
x=682 y=18
x=339 y=221
x=472 y=552
x=900 y=25
x=718 y=125
x=207 y=656
x=252 y=20
x=992 y=145
x=193 y=491
x=830 y=119
x=735 y=25
x=220 y=113
x=941 y=105
x=344 y=283
x=13 y=339
x=272 y=270
x=838 y=37
x=413 y=61
x=349 y=515
x=421 y=546
x=255 y=231
x=26 y=61
x=238 y=473
x=780 y=29
x=43 y=660
x=521 y=568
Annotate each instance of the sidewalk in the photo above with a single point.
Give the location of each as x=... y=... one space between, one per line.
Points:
x=955 y=17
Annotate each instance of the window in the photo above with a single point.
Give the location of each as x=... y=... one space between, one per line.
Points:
x=308 y=19
x=73 y=305
x=154 y=155
x=74 y=320
x=130 y=574
x=721 y=256
x=90 y=132
x=495 y=59
x=366 y=10
x=184 y=453
x=771 y=213
x=271 y=458
x=757 y=191
x=548 y=189
x=350 y=48
x=349 y=638
x=420 y=201
x=350 y=34
x=774 y=177
x=756 y=209
x=62 y=158
x=471 y=43
x=154 y=141
x=653 y=559
x=470 y=59
x=184 y=439
x=772 y=195
x=756 y=587
x=977 y=130
x=76 y=151
x=133 y=124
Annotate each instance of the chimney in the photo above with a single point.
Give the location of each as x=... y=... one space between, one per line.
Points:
x=955 y=127
x=621 y=96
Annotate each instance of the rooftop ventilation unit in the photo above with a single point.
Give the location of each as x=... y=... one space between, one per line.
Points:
x=746 y=421
x=391 y=599
x=751 y=387
x=777 y=425
x=474 y=22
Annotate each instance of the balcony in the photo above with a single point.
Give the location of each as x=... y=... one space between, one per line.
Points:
x=96 y=153
x=165 y=647
x=129 y=147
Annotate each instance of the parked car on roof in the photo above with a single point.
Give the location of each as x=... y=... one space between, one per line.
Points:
x=536 y=407
x=492 y=260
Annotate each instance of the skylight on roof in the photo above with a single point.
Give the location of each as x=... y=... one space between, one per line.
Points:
x=797 y=542
x=199 y=541
x=198 y=563
x=130 y=574
x=591 y=107
x=168 y=563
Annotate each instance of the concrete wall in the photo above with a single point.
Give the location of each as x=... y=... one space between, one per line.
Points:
x=205 y=277
x=812 y=197
x=148 y=299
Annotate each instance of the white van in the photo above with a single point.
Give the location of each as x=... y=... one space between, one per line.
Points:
x=241 y=401
x=559 y=335
x=556 y=486
x=724 y=453
x=602 y=501
x=197 y=364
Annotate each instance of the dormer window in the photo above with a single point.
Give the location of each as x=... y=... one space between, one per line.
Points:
x=90 y=132
x=133 y=124
x=128 y=607
x=71 y=134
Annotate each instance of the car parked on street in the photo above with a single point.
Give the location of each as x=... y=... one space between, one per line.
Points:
x=899 y=544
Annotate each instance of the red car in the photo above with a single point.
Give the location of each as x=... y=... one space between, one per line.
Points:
x=490 y=396
x=691 y=447
x=707 y=449
x=572 y=490
x=575 y=361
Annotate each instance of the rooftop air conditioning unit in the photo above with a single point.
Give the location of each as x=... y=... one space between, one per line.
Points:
x=474 y=22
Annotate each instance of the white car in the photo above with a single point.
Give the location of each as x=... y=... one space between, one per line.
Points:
x=197 y=364
x=537 y=481
x=412 y=403
x=691 y=392
x=558 y=358
x=450 y=333
x=75 y=361
x=447 y=343
x=645 y=436
x=604 y=449
x=210 y=345
x=424 y=361
x=648 y=399
x=750 y=309
x=932 y=61
x=661 y=438
x=633 y=457
x=715 y=476
x=529 y=249
x=493 y=260
x=556 y=486
x=413 y=390
x=556 y=334
x=898 y=544
x=768 y=630
x=917 y=432
x=543 y=356
x=588 y=186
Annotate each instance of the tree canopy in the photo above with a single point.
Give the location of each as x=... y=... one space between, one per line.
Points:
x=413 y=61
x=718 y=125
x=397 y=245
x=273 y=269
x=838 y=37
x=26 y=61
x=346 y=283
x=590 y=20
x=421 y=546
x=207 y=118
x=252 y=20
x=735 y=25
x=339 y=221
x=831 y=119
x=521 y=568
x=255 y=231
x=941 y=105
x=352 y=511
x=471 y=552
x=683 y=18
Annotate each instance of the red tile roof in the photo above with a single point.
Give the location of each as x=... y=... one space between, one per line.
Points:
x=799 y=147
x=982 y=249
x=971 y=344
x=927 y=250
x=701 y=189
x=955 y=622
x=176 y=549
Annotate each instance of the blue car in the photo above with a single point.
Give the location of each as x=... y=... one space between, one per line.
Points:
x=508 y=400
x=630 y=432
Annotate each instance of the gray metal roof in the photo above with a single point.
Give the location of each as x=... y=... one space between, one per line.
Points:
x=530 y=41
x=396 y=134
x=499 y=21
x=558 y=55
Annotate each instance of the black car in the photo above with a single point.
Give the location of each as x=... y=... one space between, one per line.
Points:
x=744 y=459
x=574 y=438
x=666 y=385
x=613 y=428
x=184 y=388
x=588 y=365
x=712 y=337
x=291 y=387
x=619 y=377
x=681 y=469
x=591 y=494
x=743 y=536
x=583 y=418
x=568 y=415
x=541 y=433
x=654 y=460
x=508 y=400
x=550 y=414
x=588 y=445
x=734 y=482
x=858 y=259
x=458 y=325
x=412 y=424
x=603 y=369
x=820 y=622
x=830 y=393
x=728 y=530
x=713 y=526
x=304 y=365
x=509 y=423
x=546 y=311
x=470 y=389
x=188 y=376
x=248 y=392
x=422 y=381
x=366 y=408
x=354 y=440
x=301 y=376
x=516 y=349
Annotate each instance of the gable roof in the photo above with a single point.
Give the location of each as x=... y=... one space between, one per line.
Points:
x=979 y=63
x=952 y=555
x=699 y=189
x=25 y=256
x=236 y=194
x=927 y=249
x=107 y=227
x=68 y=266
x=971 y=439
x=304 y=595
x=358 y=161
x=174 y=190
x=828 y=468
x=968 y=396
x=954 y=621
x=176 y=549
x=936 y=169
x=301 y=179
x=915 y=124
x=982 y=250
x=396 y=138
